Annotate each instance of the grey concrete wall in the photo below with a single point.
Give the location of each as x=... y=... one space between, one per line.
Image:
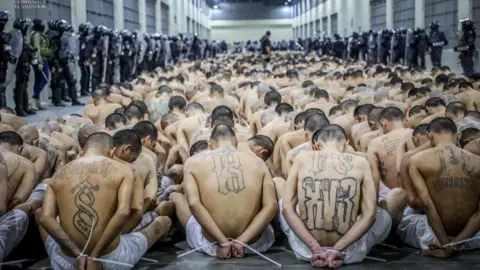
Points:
x=250 y=11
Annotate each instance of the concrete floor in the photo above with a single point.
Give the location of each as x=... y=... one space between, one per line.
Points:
x=166 y=253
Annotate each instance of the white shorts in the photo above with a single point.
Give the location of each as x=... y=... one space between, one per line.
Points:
x=13 y=226
x=410 y=211
x=415 y=231
x=377 y=234
x=383 y=192
x=130 y=250
x=38 y=193
x=147 y=218
x=195 y=239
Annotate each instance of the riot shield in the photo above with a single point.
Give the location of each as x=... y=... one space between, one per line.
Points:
x=349 y=47
x=379 y=47
x=16 y=47
x=116 y=67
x=142 y=50
x=105 y=56
x=408 y=39
x=393 y=43
x=136 y=48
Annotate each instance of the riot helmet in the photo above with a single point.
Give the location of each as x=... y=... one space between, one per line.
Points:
x=434 y=25
x=467 y=24
x=38 y=25
x=22 y=24
x=4 y=14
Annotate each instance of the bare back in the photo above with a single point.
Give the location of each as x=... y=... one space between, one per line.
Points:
x=452 y=177
x=86 y=192
x=230 y=185
x=98 y=114
x=329 y=193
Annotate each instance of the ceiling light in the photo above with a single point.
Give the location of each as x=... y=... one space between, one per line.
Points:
x=215 y=7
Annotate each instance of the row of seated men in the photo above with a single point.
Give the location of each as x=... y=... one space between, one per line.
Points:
x=335 y=155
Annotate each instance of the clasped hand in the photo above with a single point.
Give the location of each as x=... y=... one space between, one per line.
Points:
x=326 y=258
x=230 y=250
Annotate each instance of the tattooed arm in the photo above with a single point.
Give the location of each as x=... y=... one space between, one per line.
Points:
x=368 y=209
x=413 y=200
x=430 y=210
x=124 y=204
x=48 y=221
x=266 y=214
x=3 y=185
x=290 y=201
x=198 y=210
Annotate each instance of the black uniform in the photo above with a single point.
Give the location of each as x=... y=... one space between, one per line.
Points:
x=22 y=71
x=466 y=47
x=435 y=41
x=126 y=61
x=4 y=56
x=99 y=54
x=84 y=58
x=66 y=60
x=354 y=46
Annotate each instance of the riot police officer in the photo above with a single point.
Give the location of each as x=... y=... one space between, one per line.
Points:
x=385 y=45
x=126 y=56
x=435 y=41
x=327 y=46
x=67 y=55
x=57 y=82
x=398 y=46
x=99 y=55
x=466 y=46
x=354 y=46
x=373 y=47
x=84 y=57
x=421 y=46
x=5 y=56
x=363 y=47
x=22 y=72
x=338 y=46
x=113 y=55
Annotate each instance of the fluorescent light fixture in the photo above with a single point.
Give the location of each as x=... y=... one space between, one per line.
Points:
x=215 y=6
x=286 y=3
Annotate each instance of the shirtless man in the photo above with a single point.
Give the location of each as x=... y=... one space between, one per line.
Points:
x=12 y=120
x=347 y=120
x=270 y=101
x=312 y=230
x=148 y=163
x=361 y=127
x=281 y=124
x=82 y=194
x=115 y=121
x=133 y=114
x=448 y=191
x=186 y=128
x=225 y=181
x=313 y=123
x=435 y=107
x=322 y=101
x=177 y=105
x=101 y=108
x=375 y=127
x=4 y=127
x=416 y=115
x=382 y=151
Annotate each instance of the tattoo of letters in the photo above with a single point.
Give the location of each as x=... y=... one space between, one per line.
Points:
x=86 y=216
x=227 y=168
x=333 y=196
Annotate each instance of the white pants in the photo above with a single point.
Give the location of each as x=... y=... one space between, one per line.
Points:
x=377 y=234
x=130 y=250
x=147 y=218
x=383 y=192
x=195 y=239
x=13 y=226
x=38 y=193
x=415 y=231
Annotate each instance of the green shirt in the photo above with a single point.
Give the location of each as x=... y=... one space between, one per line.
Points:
x=40 y=41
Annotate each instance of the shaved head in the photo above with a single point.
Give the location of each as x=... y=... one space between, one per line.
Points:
x=28 y=133
x=86 y=131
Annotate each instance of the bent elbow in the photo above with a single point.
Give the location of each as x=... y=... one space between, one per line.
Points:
x=136 y=214
x=124 y=213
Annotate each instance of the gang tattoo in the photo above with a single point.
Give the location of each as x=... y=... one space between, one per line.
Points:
x=331 y=162
x=445 y=182
x=86 y=216
x=390 y=146
x=228 y=169
x=383 y=169
x=330 y=196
